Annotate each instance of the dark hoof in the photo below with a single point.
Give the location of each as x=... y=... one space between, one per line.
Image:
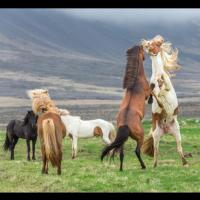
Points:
x=150 y=100
x=28 y=159
x=33 y=158
x=143 y=167
x=185 y=162
x=121 y=170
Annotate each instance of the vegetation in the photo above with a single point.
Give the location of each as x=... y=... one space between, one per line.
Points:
x=88 y=174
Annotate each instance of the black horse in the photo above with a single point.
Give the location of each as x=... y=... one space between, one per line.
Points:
x=26 y=129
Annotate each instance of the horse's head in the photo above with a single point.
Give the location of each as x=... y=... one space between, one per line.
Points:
x=31 y=118
x=153 y=46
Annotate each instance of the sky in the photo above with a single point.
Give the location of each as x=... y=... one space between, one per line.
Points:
x=136 y=15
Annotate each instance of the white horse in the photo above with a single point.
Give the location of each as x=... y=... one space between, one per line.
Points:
x=165 y=102
x=78 y=128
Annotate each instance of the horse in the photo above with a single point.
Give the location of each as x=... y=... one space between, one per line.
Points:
x=51 y=131
x=78 y=128
x=50 y=128
x=132 y=108
x=25 y=129
x=165 y=102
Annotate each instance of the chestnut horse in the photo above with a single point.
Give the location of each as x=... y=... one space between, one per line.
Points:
x=132 y=108
x=50 y=128
x=51 y=131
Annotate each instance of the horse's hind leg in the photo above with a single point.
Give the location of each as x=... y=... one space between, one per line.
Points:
x=33 y=148
x=156 y=140
x=176 y=132
x=74 y=147
x=28 y=149
x=137 y=152
x=121 y=156
x=59 y=166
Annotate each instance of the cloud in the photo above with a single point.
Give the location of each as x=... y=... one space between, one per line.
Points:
x=129 y=16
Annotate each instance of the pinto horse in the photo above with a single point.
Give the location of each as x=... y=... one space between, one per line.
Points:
x=132 y=107
x=78 y=128
x=165 y=102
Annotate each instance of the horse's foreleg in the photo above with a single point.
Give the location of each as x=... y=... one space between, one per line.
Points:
x=33 y=148
x=28 y=149
x=176 y=132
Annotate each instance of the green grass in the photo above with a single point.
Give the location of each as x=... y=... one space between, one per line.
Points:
x=88 y=174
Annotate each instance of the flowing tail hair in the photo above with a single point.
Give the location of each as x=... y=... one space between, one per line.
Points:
x=122 y=136
x=148 y=147
x=51 y=142
x=6 y=143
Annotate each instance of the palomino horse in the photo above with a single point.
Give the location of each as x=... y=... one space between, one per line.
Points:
x=132 y=108
x=50 y=127
x=165 y=103
x=78 y=128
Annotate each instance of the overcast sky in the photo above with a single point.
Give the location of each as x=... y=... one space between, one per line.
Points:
x=136 y=15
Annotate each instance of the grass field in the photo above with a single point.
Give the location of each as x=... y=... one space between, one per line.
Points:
x=88 y=174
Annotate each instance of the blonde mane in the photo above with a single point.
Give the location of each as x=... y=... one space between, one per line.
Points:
x=169 y=55
x=41 y=101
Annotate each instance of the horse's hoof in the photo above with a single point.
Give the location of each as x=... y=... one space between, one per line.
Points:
x=33 y=159
x=143 y=167
x=28 y=159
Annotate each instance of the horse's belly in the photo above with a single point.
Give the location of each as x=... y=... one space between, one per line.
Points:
x=85 y=131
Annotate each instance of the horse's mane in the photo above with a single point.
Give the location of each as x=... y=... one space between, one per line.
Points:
x=36 y=93
x=170 y=57
x=132 y=67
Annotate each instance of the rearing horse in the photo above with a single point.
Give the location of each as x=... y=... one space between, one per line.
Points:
x=132 y=107
x=164 y=117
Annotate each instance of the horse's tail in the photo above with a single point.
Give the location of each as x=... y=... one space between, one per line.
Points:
x=6 y=143
x=122 y=136
x=9 y=129
x=51 y=142
x=148 y=147
x=112 y=133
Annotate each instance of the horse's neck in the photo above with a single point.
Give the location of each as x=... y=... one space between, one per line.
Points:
x=157 y=65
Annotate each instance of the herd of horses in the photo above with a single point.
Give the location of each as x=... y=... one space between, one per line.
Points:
x=52 y=124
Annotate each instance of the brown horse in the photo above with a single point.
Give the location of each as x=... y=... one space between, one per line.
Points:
x=132 y=108
x=51 y=131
